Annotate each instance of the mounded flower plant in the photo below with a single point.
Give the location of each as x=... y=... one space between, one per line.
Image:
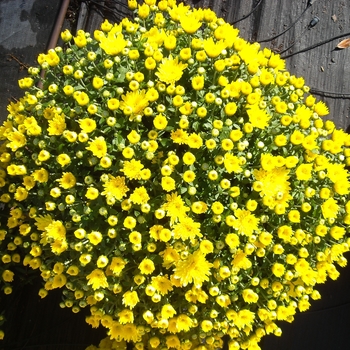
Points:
x=174 y=179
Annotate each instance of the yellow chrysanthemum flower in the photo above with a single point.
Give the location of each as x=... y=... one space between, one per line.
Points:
x=246 y=222
x=98 y=147
x=115 y=187
x=97 y=279
x=194 y=269
x=87 y=125
x=68 y=180
x=140 y=195
x=134 y=103
x=213 y=48
x=170 y=70
x=259 y=118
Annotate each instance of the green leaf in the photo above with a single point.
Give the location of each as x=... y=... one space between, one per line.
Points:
x=121 y=76
x=195 y=126
x=183 y=190
x=164 y=142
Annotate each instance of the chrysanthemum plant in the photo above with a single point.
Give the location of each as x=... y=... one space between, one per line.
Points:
x=176 y=180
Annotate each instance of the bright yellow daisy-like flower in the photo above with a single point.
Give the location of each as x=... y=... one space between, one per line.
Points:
x=160 y=122
x=179 y=136
x=41 y=175
x=95 y=237
x=259 y=118
x=113 y=104
x=67 y=180
x=197 y=82
x=92 y=193
x=330 y=208
x=337 y=232
x=241 y=261
x=144 y=10
x=246 y=222
x=17 y=140
x=304 y=172
x=97 y=82
x=337 y=172
x=190 y=23
x=266 y=77
x=80 y=39
x=130 y=299
x=59 y=281
x=140 y=195
x=321 y=109
x=183 y=322
x=132 y=169
x=187 y=228
x=168 y=183
x=32 y=126
x=230 y=108
x=162 y=284
x=342 y=187
x=52 y=58
x=63 y=159
x=177 y=11
x=126 y=316
x=117 y=265
x=189 y=176
x=130 y=333
x=55 y=230
x=175 y=207
x=297 y=137
x=21 y=194
x=42 y=221
x=195 y=141
x=114 y=42
x=232 y=163
x=115 y=187
x=244 y=318
x=195 y=269
x=249 y=296
x=57 y=125
x=7 y=276
x=98 y=147
x=213 y=49
x=97 y=279
x=135 y=237
x=81 y=97
x=273 y=184
x=146 y=266
x=28 y=182
x=134 y=102
x=170 y=70
x=87 y=125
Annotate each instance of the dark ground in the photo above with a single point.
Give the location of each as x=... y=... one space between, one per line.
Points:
x=25 y=29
